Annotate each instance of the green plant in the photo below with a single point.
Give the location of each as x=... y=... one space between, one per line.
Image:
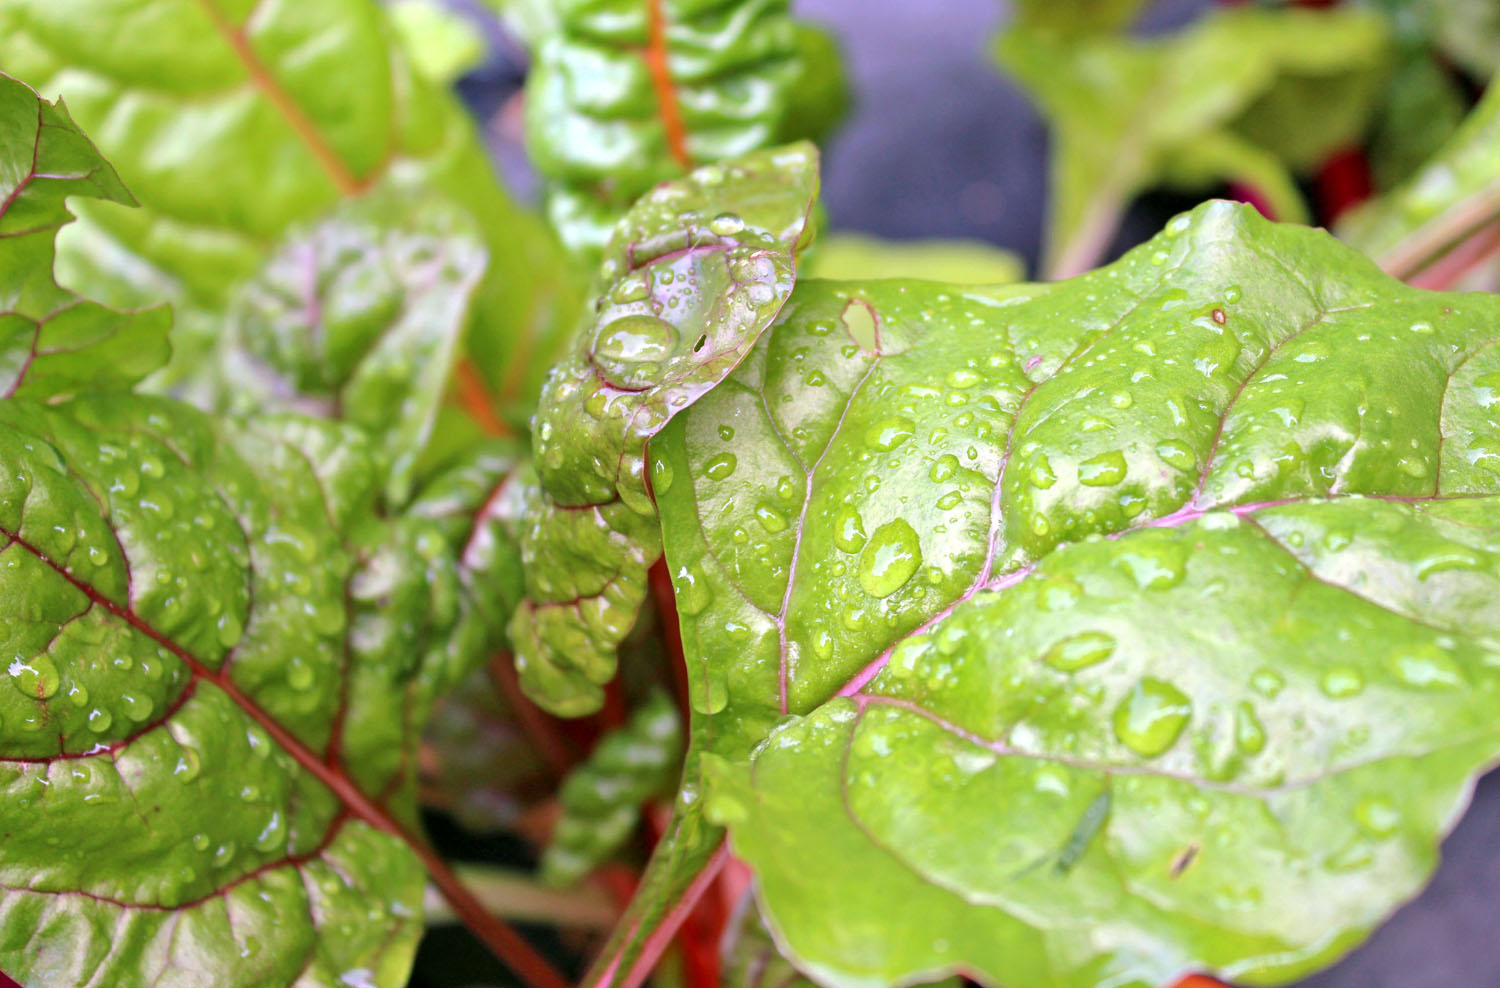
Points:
x=1093 y=632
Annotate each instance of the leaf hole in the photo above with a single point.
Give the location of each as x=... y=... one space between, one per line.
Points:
x=702 y=340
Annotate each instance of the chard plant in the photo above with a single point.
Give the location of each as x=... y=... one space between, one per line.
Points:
x=817 y=612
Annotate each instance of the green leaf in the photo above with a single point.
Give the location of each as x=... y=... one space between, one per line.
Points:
x=51 y=341
x=697 y=270
x=222 y=658
x=602 y=798
x=1453 y=196
x=1246 y=94
x=628 y=93
x=443 y=44
x=223 y=666
x=359 y=318
x=233 y=130
x=1099 y=632
x=963 y=262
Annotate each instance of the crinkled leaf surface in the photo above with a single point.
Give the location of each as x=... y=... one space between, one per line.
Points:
x=697 y=270
x=232 y=124
x=1128 y=113
x=1453 y=196
x=360 y=318
x=602 y=798
x=51 y=341
x=220 y=660
x=209 y=628
x=624 y=94
x=1095 y=633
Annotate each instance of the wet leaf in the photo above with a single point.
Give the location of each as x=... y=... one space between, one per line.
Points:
x=1099 y=632
x=629 y=93
x=233 y=129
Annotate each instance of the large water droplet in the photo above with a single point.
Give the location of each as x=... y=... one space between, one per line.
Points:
x=726 y=224
x=1151 y=717
x=1080 y=651
x=1341 y=682
x=1041 y=474
x=1104 y=470
x=1427 y=667
x=943 y=468
x=1157 y=567
x=720 y=466
x=770 y=519
x=848 y=530
x=889 y=433
x=692 y=591
x=630 y=349
x=889 y=560
x=1249 y=734
x=36 y=677
x=1177 y=454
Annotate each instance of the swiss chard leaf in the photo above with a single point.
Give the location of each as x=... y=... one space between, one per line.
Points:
x=1128 y=113
x=359 y=318
x=51 y=341
x=602 y=798
x=1099 y=632
x=233 y=129
x=222 y=657
x=629 y=93
x=697 y=270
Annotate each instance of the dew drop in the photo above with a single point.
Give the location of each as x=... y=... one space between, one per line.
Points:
x=1176 y=454
x=1249 y=734
x=1104 y=470
x=887 y=434
x=720 y=466
x=772 y=520
x=1151 y=717
x=1341 y=682
x=661 y=475
x=1080 y=651
x=889 y=560
x=1041 y=474
x=943 y=468
x=848 y=530
x=37 y=678
x=99 y=720
x=726 y=224
x=137 y=708
x=630 y=348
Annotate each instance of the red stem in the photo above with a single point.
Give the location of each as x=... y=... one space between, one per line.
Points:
x=661 y=81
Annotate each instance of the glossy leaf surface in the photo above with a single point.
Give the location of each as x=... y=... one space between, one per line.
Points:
x=1225 y=99
x=359 y=318
x=698 y=269
x=624 y=94
x=1131 y=626
x=221 y=659
x=231 y=129
x=51 y=341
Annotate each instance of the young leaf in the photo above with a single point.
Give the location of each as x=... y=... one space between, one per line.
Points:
x=51 y=341
x=360 y=318
x=1139 y=624
x=602 y=798
x=1449 y=199
x=626 y=94
x=697 y=270
x=233 y=129
x=1126 y=114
